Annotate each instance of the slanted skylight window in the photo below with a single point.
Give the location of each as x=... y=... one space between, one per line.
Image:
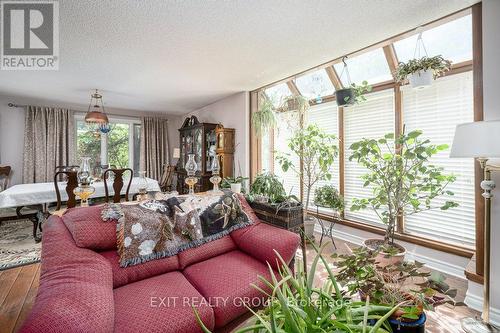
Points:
x=315 y=84
x=452 y=40
x=278 y=93
x=370 y=66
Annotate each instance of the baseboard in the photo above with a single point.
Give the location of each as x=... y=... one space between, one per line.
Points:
x=474 y=300
x=432 y=263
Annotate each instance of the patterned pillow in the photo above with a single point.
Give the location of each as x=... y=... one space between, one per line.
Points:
x=89 y=230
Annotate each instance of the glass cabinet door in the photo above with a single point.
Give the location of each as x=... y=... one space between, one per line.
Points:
x=198 y=146
x=210 y=149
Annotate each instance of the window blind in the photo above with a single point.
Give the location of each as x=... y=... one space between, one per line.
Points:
x=371 y=119
x=436 y=111
x=325 y=116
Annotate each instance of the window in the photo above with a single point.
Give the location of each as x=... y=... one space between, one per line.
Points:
x=370 y=66
x=278 y=93
x=371 y=119
x=119 y=148
x=436 y=111
x=315 y=85
x=326 y=117
x=453 y=40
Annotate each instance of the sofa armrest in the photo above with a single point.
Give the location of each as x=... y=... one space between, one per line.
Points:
x=76 y=286
x=260 y=240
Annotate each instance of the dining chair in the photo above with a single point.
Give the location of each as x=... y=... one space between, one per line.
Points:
x=117 y=183
x=71 y=184
x=4 y=177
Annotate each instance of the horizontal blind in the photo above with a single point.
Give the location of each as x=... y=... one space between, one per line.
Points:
x=282 y=133
x=325 y=116
x=436 y=111
x=370 y=119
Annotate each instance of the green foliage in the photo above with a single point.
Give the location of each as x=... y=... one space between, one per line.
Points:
x=295 y=103
x=403 y=180
x=317 y=150
x=359 y=92
x=268 y=186
x=296 y=305
x=264 y=119
x=438 y=65
x=327 y=196
x=227 y=181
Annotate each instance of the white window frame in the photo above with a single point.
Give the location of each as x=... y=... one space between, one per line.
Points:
x=104 y=138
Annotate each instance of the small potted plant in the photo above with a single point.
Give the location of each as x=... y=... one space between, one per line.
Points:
x=353 y=94
x=420 y=72
x=403 y=181
x=327 y=196
x=234 y=183
x=295 y=103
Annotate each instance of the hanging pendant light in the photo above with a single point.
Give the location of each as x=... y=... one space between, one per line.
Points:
x=95 y=113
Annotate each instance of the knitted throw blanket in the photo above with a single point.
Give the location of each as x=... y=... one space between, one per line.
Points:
x=161 y=228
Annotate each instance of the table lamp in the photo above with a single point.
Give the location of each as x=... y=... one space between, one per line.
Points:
x=481 y=140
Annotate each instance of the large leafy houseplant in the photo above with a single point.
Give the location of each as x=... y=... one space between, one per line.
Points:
x=297 y=305
x=268 y=187
x=317 y=150
x=402 y=178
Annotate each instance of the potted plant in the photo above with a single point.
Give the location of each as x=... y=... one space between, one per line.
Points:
x=295 y=103
x=327 y=196
x=317 y=151
x=265 y=118
x=271 y=204
x=234 y=183
x=354 y=94
x=420 y=72
x=403 y=182
x=296 y=305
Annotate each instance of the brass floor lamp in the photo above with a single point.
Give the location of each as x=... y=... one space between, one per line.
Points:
x=481 y=140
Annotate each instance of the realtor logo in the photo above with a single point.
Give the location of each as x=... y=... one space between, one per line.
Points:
x=29 y=35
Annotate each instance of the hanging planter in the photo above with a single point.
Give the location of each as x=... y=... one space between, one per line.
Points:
x=354 y=94
x=422 y=70
x=264 y=119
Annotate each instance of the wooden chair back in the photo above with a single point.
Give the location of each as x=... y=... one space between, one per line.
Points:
x=72 y=183
x=167 y=178
x=117 y=183
x=68 y=168
x=4 y=177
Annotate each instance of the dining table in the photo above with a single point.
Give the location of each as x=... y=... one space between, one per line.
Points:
x=38 y=196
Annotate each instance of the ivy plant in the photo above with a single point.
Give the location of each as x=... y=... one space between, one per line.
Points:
x=402 y=177
x=437 y=64
x=317 y=150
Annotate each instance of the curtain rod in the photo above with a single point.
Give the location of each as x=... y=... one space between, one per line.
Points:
x=13 y=105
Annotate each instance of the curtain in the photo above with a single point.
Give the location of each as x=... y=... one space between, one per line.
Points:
x=154 y=146
x=48 y=142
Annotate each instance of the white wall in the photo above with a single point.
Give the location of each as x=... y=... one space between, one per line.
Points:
x=491 y=90
x=12 y=129
x=231 y=112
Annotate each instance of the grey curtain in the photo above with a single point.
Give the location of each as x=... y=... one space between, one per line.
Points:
x=154 y=146
x=49 y=141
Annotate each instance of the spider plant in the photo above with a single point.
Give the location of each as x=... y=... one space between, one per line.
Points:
x=296 y=305
x=265 y=118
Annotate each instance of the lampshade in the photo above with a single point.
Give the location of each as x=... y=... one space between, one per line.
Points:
x=176 y=153
x=96 y=117
x=95 y=113
x=479 y=139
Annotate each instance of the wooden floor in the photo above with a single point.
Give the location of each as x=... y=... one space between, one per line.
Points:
x=18 y=287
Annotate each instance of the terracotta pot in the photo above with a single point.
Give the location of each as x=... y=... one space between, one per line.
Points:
x=384 y=258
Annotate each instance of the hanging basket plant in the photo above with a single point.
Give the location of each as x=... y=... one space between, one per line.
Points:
x=421 y=70
x=353 y=94
x=295 y=103
x=265 y=118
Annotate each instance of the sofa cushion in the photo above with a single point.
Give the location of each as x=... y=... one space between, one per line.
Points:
x=125 y=275
x=225 y=281
x=206 y=251
x=160 y=304
x=89 y=230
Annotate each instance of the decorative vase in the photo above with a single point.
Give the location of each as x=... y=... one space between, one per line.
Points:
x=215 y=179
x=421 y=79
x=84 y=173
x=191 y=168
x=236 y=187
x=345 y=96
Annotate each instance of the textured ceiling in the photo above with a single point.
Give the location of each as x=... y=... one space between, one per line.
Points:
x=177 y=56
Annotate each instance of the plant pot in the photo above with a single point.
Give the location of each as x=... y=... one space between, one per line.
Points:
x=345 y=96
x=421 y=79
x=383 y=258
x=417 y=326
x=309 y=223
x=236 y=187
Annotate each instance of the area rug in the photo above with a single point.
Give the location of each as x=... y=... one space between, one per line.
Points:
x=17 y=246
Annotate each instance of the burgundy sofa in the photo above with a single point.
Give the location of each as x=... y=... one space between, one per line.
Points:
x=83 y=289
